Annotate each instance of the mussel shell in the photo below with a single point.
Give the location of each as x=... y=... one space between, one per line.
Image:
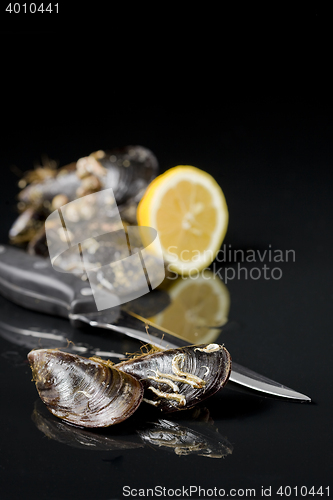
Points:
x=209 y=362
x=129 y=171
x=82 y=391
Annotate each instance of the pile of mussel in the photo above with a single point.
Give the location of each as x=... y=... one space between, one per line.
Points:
x=128 y=171
x=91 y=392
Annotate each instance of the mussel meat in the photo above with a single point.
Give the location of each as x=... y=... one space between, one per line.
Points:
x=83 y=391
x=178 y=379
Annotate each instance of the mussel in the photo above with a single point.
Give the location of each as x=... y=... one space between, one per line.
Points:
x=188 y=437
x=94 y=393
x=82 y=391
x=128 y=171
x=178 y=379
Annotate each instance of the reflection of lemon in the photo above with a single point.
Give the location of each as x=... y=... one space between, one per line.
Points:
x=188 y=209
x=196 y=306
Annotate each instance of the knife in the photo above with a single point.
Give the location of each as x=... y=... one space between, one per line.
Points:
x=31 y=282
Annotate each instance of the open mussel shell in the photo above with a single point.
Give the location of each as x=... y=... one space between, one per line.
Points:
x=82 y=391
x=178 y=379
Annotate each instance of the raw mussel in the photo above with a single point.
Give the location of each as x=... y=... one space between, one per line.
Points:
x=178 y=379
x=82 y=391
x=94 y=393
x=128 y=171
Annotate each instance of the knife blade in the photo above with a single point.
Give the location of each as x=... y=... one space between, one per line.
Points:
x=31 y=282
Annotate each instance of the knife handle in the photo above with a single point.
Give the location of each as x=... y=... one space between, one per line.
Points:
x=31 y=282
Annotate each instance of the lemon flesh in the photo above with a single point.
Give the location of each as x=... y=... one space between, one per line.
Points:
x=188 y=209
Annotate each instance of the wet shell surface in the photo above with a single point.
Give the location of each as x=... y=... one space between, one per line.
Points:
x=82 y=391
x=178 y=379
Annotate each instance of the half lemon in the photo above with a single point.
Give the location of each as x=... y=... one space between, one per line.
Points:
x=188 y=209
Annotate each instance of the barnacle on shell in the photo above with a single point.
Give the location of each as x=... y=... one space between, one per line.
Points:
x=178 y=379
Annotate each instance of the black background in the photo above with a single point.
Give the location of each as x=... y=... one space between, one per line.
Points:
x=254 y=109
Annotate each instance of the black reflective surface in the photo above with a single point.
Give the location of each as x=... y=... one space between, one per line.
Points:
x=273 y=158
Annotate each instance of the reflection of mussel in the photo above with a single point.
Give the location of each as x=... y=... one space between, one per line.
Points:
x=93 y=393
x=183 y=440
x=78 y=438
x=194 y=438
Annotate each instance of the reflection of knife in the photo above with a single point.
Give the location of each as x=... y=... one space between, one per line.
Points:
x=33 y=283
